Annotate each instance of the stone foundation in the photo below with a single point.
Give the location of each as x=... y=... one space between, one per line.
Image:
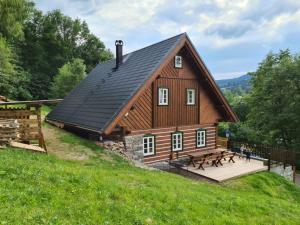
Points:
x=115 y=146
x=134 y=147
x=131 y=150
x=288 y=172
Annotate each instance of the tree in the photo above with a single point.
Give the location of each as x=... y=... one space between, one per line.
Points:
x=14 y=81
x=67 y=78
x=33 y=46
x=51 y=41
x=13 y=14
x=274 y=102
x=6 y=68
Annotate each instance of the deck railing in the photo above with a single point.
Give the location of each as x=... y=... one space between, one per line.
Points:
x=222 y=142
x=272 y=154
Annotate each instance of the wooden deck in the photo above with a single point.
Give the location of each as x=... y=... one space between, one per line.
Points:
x=228 y=170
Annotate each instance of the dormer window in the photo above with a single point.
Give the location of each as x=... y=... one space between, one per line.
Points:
x=190 y=96
x=178 y=61
x=163 y=96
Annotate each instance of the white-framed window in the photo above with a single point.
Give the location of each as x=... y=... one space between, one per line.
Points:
x=148 y=145
x=177 y=141
x=178 y=61
x=201 y=138
x=190 y=96
x=163 y=96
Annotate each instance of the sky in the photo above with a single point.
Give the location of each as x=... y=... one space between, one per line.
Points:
x=232 y=36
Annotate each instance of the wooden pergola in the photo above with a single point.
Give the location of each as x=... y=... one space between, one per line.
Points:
x=28 y=115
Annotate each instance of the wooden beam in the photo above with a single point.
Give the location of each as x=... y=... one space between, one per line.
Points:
x=27 y=147
x=35 y=102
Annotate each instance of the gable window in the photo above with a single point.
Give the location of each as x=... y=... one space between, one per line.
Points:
x=148 y=145
x=201 y=138
x=178 y=61
x=177 y=141
x=163 y=96
x=190 y=98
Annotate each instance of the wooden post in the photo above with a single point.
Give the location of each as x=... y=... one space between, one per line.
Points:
x=41 y=136
x=269 y=161
x=216 y=135
x=294 y=174
x=285 y=159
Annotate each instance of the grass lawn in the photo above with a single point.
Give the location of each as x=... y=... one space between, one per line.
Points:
x=80 y=183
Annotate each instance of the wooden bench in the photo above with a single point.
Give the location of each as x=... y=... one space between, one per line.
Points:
x=213 y=159
x=198 y=156
x=230 y=155
x=216 y=159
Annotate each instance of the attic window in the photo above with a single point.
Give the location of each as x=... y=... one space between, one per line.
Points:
x=163 y=96
x=178 y=61
x=190 y=98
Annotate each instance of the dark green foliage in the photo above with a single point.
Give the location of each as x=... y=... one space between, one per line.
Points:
x=13 y=14
x=6 y=67
x=270 y=112
x=275 y=99
x=14 y=80
x=51 y=41
x=33 y=46
x=67 y=78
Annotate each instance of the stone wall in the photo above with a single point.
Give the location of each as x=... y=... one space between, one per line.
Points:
x=134 y=147
x=288 y=172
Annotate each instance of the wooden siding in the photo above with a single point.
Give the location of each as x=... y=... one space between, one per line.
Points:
x=146 y=113
x=177 y=112
x=208 y=111
x=163 y=146
x=140 y=115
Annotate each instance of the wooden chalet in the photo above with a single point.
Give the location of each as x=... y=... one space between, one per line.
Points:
x=161 y=99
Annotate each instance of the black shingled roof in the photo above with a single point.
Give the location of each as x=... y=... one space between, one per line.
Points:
x=98 y=99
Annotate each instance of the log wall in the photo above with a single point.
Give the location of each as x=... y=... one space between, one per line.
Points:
x=163 y=148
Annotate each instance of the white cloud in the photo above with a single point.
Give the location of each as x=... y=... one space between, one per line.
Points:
x=129 y=14
x=224 y=28
x=219 y=23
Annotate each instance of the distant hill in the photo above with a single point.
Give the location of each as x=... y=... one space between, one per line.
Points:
x=242 y=82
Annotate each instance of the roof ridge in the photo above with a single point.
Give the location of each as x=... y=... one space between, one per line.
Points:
x=103 y=62
x=184 y=33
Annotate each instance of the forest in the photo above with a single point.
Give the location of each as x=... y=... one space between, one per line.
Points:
x=45 y=55
x=269 y=111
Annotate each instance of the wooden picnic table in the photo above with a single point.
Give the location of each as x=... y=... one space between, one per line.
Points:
x=214 y=156
x=196 y=156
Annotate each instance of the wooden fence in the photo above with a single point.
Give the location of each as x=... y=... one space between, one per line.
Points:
x=272 y=154
x=222 y=142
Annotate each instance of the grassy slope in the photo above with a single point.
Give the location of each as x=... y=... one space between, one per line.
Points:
x=103 y=189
